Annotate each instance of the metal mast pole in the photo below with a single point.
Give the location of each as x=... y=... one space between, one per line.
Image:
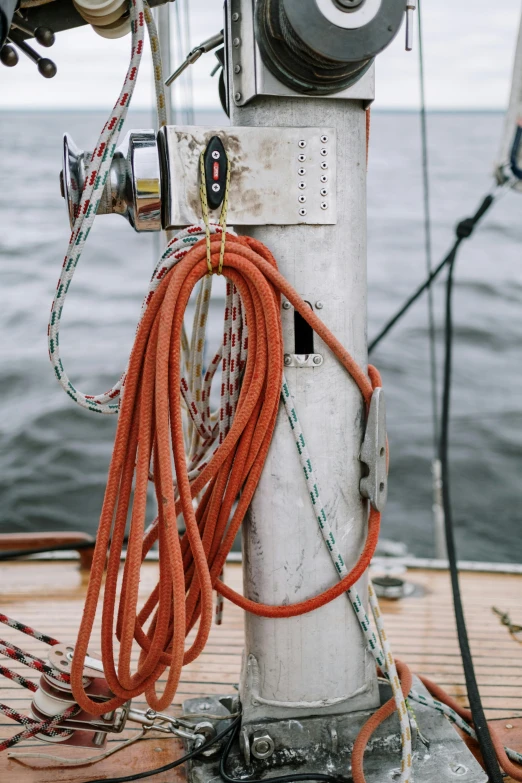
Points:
x=316 y=664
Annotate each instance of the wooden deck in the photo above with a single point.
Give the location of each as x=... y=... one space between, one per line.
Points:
x=49 y=596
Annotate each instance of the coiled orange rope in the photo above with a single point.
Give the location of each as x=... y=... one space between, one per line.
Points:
x=150 y=431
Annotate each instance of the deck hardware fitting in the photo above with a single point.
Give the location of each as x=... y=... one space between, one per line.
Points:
x=374 y=485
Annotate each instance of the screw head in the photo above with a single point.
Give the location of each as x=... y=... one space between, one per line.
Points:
x=262 y=745
x=237 y=97
x=235 y=17
x=288 y=360
x=319 y=305
x=459 y=769
x=216 y=188
x=318 y=360
x=216 y=154
x=286 y=305
x=237 y=68
x=302 y=198
x=236 y=42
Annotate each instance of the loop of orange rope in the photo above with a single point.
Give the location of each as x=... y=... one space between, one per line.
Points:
x=150 y=430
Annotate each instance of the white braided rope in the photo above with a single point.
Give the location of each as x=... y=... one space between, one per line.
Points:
x=381 y=652
x=95 y=180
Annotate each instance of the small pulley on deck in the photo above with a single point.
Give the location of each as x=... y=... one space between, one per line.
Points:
x=54 y=696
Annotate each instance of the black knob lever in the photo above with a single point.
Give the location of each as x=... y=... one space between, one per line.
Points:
x=45 y=66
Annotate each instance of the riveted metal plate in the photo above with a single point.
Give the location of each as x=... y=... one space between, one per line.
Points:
x=322 y=743
x=279 y=176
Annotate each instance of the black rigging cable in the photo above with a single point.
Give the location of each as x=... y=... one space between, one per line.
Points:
x=464 y=230
x=174 y=764
x=477 y=710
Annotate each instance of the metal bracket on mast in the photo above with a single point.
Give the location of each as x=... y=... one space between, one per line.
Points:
x=374 y=485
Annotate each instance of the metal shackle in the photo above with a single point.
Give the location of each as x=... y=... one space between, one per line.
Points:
x=132 y=188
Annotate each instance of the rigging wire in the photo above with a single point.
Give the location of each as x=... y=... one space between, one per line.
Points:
x=428 y=232
x=167 y=767
x=464 y=231
x=484 y=738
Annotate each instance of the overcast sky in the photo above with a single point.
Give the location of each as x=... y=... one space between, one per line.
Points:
x=469 y=47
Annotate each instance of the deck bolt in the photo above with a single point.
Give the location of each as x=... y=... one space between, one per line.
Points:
x=459 y=769
x=286 y=305
x=318 y=360
x=319 y=305
x=288 y=360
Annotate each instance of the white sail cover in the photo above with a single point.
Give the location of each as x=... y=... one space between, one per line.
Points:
x=510 y=155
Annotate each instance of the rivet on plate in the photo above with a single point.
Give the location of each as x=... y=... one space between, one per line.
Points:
x=303 y=212
x=324 y=178
x=301 y=172
x=302 y=198
x=237 y=97
x=319 y=305
x=324 y=205
x=302 y=186
x=236 y=42
x=324 y=192
x=286 y=305
x=288 y=360
x=324 y=139
x=302 y=144
x=324 y=152
x=318 y=360
x=237 y=68
x=324 y=165
x=235 y=17
x=301 y=158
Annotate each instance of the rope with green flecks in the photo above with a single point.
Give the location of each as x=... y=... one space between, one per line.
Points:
x=381 y=652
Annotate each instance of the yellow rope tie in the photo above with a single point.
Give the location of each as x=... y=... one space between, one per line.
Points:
x=206 y=215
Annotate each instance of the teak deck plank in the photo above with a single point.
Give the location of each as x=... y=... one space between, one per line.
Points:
x=49 y=596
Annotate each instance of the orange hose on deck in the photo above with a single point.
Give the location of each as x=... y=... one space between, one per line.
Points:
x=511 y=769
x=150 y=430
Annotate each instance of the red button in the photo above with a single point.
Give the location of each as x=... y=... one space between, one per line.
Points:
x=216 y=171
